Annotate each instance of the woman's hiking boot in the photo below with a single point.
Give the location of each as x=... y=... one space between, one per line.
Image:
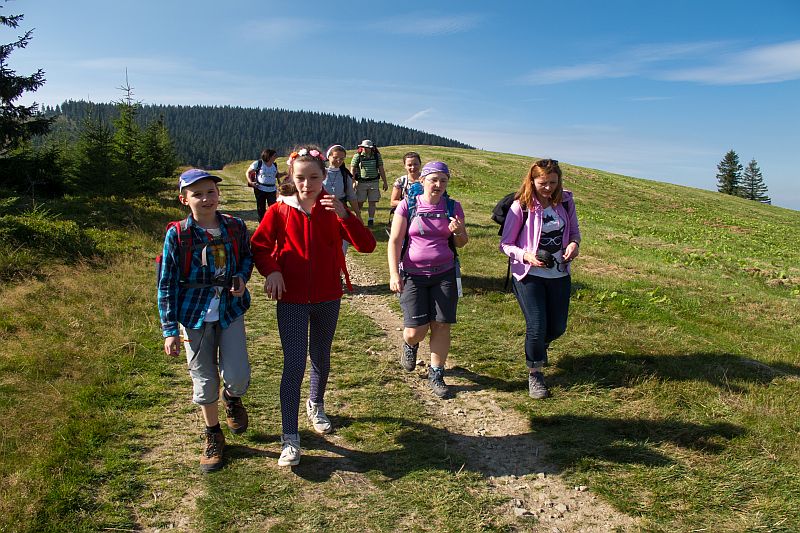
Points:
x=536 y=387
x=290 y=450
x=436 y=381
x=317 y=418
x=211 y=458
x=408 y=357
x=235 y=414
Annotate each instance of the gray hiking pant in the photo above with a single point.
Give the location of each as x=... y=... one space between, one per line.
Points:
x=212 y=351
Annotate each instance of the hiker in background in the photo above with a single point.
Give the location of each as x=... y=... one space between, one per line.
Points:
x=262 y=176
x=423 y=268
x=298 y=249
x=541 y=237
x=202 y=297
x=412 y=163
x=367 y=167
x=338 y=180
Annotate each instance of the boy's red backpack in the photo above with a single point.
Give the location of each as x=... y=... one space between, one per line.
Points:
x=187 y=246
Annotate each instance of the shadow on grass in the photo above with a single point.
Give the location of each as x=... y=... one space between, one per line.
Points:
x=723 y=370
x=574 y=439
x=416 y=447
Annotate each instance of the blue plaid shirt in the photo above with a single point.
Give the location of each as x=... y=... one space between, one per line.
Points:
x=188 y=305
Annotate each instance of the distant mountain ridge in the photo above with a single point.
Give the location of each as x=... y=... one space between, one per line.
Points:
x=211 y=136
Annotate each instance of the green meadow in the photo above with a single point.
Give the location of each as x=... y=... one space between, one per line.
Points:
x=675 y=389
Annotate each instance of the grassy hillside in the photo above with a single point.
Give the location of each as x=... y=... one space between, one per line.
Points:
x=678 y=379
x=675 y=388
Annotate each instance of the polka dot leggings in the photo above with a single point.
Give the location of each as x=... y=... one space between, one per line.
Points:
x=305 y=329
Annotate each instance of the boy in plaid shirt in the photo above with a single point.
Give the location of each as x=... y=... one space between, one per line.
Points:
x=202 y=296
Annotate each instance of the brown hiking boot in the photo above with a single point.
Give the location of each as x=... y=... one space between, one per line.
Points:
x=236 y=414
x=211 y=458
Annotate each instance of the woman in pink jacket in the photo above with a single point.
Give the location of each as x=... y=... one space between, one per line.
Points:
x=541 y=237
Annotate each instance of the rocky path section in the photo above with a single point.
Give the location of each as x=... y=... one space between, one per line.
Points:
x=495 y=441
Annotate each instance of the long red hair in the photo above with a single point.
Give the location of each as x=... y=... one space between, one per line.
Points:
x=527 y=192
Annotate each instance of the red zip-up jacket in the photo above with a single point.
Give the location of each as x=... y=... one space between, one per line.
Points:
x=307 y=249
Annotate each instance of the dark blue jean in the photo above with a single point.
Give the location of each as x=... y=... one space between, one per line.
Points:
x=545 y=305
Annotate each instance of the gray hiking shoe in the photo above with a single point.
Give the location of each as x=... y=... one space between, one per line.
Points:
x=536 y=387
x=408 y=358
x=436 y=381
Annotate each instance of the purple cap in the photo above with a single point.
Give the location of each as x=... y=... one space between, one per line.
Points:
x=194 y=174
x=434 y=166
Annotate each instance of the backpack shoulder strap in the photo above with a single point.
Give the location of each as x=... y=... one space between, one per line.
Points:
x=259 y=164
x=185 y=245
x=234 y=230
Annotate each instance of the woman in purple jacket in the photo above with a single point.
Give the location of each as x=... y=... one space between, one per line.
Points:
x=541 y=237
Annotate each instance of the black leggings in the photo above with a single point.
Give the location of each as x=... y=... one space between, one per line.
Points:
x=263 y=201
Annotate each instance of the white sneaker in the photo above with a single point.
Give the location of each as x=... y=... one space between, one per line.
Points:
x=290 y=450
x=317 y=418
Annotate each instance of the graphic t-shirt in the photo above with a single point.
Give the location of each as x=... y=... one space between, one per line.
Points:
x=403 y=184
x=215 y=249
x=550 y=240
x=428 y=251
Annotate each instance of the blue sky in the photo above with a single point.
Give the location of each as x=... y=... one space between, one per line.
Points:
x=657 y=90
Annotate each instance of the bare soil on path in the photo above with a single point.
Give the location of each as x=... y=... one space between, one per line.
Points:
x=495 y=441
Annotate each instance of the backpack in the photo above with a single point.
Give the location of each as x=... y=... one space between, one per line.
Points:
x=187 y=246
x=411 y=198
x=260 y=164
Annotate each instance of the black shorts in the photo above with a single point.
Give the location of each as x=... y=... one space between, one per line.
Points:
x=429 y=298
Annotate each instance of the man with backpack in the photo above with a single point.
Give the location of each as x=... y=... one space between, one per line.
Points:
x=202 y=297
x=367 y=168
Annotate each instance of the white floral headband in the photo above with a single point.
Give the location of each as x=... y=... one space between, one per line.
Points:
x=302 y=152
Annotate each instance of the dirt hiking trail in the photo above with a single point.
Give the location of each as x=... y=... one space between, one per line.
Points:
x=496 y=442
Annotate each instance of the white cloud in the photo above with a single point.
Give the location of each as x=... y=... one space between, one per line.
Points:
x=417 y=115
x=426 y=24
x=764 y=64
x=274 y=29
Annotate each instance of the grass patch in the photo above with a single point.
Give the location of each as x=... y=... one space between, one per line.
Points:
x=681 y=343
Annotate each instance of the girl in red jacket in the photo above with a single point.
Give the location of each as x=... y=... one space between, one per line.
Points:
x=298 y=248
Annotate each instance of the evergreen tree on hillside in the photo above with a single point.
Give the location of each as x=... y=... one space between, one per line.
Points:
x=729 y=174
x=126 y=138
x=18 y=123
x=209 y=136
x=753 y=186
x=156 y=154
x=94 y=171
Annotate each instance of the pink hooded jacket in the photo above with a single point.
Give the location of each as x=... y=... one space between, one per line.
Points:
x=516 y=240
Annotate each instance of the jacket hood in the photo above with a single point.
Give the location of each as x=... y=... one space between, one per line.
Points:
x=293 y=201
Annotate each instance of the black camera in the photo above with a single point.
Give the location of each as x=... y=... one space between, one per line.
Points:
x=545 y=257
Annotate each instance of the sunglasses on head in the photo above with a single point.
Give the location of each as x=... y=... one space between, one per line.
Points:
x=544 y=163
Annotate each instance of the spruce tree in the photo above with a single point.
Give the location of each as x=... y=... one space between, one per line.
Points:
x=753 y=186
x=95 y=166
x=18 y=123
x=126 y=139
x=729 y=173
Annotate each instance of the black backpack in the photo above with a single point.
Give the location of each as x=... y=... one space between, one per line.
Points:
x=501 y=210
x=499 y=214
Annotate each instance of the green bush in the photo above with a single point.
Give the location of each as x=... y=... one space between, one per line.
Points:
x=37 y=231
